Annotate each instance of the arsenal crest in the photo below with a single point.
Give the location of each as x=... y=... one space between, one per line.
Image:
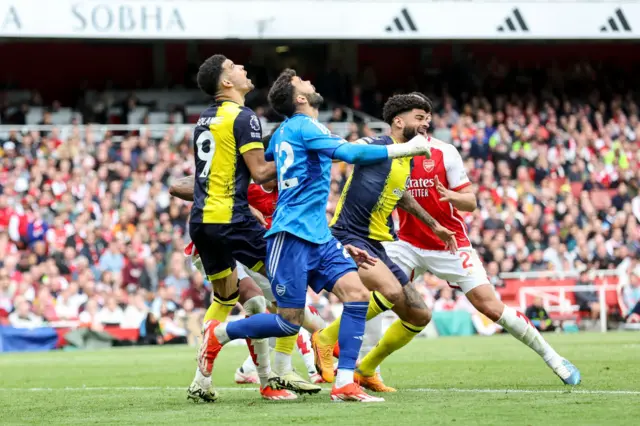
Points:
x=428 y=165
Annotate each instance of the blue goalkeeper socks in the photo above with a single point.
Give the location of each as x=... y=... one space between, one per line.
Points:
x=261 y=326
x=354 y=317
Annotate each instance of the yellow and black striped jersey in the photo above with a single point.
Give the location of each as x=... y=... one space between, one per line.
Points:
x=223 y=133
x=370 y=196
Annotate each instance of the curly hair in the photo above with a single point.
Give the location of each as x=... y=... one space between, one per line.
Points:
x=399 y=104
x=281 y=94
x=209 y=74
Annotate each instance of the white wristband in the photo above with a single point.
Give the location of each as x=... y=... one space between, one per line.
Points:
x=416 y=146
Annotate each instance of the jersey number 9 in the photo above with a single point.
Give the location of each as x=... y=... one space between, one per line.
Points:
x=206 y=156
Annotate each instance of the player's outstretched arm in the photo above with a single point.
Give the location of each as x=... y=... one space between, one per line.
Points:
x=318 y=138
x=183 y=188
x=262 y=171
x=464 y=199
x=372 y=154
x=411 y=206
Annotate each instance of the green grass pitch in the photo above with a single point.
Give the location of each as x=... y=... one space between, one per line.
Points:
x=463 y=381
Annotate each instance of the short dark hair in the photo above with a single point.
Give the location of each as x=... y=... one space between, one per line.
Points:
x=399 y=104
x=281 y=94
x=209 y=74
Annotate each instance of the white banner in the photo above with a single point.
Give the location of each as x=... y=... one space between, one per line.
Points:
x=313 y=19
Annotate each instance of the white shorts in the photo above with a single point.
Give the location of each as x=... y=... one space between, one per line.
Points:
x=463 y=270
x=262 y=281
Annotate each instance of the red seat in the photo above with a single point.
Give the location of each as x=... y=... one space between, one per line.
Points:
x=576 y=188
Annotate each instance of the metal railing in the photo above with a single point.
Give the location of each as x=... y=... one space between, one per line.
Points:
x=557 y=274
x=555 y=298
x=158 y=130
x=547 y=293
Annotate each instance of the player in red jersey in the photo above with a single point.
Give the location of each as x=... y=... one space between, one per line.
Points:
x=441 y=186
x=263 y=198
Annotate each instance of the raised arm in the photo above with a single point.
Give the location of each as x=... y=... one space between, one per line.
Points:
x=262 y=171
x=183 y=188
x=411 y=206
x=318 y=138
x=371 y=154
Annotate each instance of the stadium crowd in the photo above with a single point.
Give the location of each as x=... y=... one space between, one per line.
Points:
x=90 y=235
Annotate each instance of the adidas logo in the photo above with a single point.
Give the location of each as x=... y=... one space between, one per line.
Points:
x=514 y=23
x=616 y=26
x=402 y=23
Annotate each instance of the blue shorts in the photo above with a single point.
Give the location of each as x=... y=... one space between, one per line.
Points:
x=294 y=263
x=374 y=248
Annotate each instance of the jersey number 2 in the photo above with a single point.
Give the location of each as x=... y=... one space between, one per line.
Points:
x=284 y=164
x=466 y=260
x=206 y=156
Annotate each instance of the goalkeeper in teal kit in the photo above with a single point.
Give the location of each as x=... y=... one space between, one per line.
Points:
x=301 y=251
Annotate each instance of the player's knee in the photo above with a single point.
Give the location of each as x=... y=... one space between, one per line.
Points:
x=357 y=294
x=248 y=289
x=255 y=305
x=294 y=316
x=393 y=294
x=421 y=317
x=349 y=288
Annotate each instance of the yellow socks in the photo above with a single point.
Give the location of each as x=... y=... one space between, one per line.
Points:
x=377 y=305
x=398 y=335
x=285 y=345
x=221 y=307
x=282 y=358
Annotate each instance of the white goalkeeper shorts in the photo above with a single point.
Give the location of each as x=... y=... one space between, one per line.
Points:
x=261 y=280
x=462 y=271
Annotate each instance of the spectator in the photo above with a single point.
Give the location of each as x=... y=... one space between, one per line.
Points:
x=66 y=307
x=150 y=332
x=172 y=331
x=22 y=317
x=111 y=313
x=135 y=313
x=7 y=291
x=445 y=300
x=134 y=274
x=177 y=278
x=197 y=292
x=191 y=319
x=539 y=316
x=631 y=297
x=588 y=300
x=112 y=259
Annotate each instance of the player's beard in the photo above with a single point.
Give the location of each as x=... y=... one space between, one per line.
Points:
x=315 y=100
x=409 y=132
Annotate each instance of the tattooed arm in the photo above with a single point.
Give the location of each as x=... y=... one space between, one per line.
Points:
x=411 y=206
x=183 y=188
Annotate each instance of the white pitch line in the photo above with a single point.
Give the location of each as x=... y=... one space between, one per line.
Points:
x=422 y=390
x=578 y=391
